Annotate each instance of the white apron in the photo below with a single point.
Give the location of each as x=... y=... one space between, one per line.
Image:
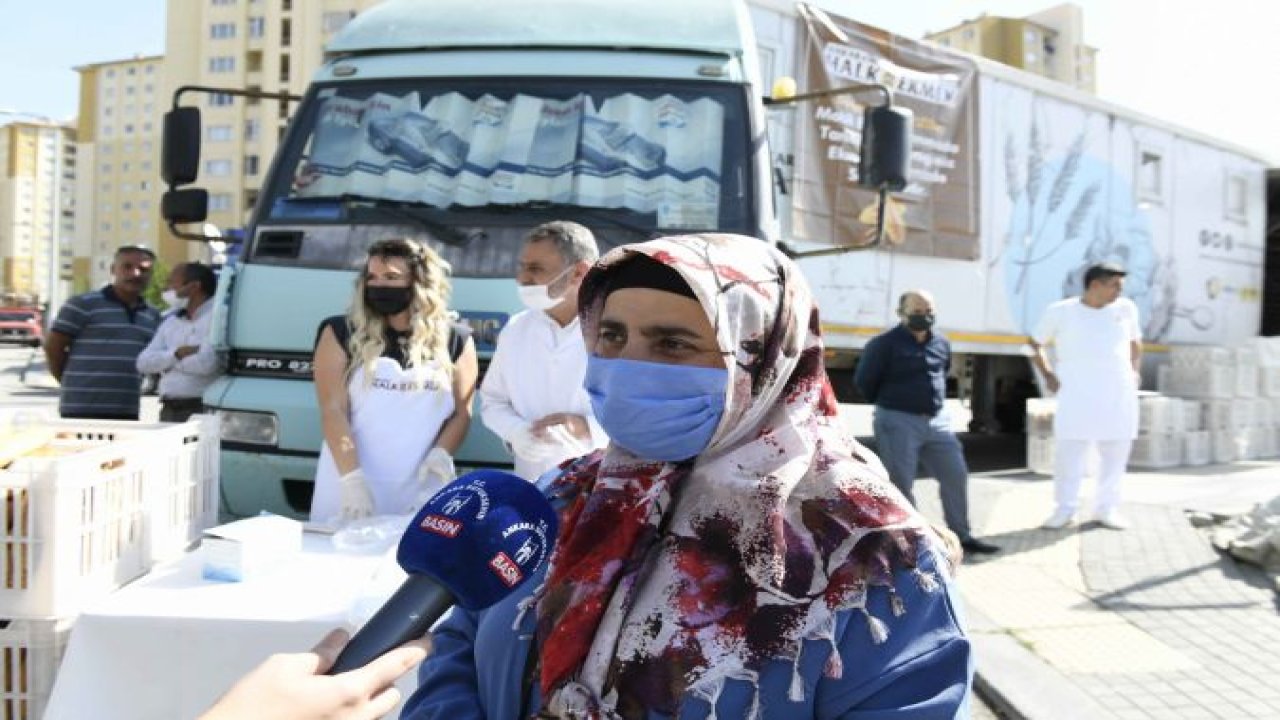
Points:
x=394 y=422
x=1098 y=399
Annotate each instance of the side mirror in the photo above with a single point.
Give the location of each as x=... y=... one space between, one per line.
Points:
x=185 y=206
x=886 y=147
x=180 y=146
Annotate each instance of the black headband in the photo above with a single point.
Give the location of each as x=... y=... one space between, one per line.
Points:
x=642 y=271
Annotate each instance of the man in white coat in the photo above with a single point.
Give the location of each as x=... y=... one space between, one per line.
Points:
x=1097 y=357
x=532 y=395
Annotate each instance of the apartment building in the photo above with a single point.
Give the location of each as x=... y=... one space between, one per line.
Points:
x=37 y=211
x=1049 y=43
x=118 y=149
x=268 y=45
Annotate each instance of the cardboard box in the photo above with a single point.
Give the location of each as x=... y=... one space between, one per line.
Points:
x=246 y=548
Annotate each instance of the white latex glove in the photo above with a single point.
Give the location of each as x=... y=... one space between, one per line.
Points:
x=570 y=443
x=530 y=447
x=437 y=470
x=434 y=473
x=357 y=501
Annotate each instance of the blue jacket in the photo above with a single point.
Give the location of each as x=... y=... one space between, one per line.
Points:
x=922 y=671
x=898 y=372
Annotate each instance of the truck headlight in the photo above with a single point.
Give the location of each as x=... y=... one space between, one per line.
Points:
x=255 y=428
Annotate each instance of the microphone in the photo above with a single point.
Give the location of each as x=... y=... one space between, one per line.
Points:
x=472 y=544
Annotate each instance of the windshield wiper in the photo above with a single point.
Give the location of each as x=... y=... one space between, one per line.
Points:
x=567 y=211
x=410 y=210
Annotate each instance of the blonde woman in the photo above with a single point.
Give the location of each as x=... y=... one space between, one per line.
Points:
x=395 y=380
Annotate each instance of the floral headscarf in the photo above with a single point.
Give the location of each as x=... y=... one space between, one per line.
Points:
x=670 y=578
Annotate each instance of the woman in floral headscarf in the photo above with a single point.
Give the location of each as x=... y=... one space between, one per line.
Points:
x=732 y=553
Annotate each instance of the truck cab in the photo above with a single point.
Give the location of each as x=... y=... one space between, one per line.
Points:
x=463 y=125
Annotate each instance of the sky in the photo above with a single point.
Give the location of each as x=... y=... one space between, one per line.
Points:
x=1208 y=66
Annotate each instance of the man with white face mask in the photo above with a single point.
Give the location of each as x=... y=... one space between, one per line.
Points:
x=532 y=395
x=180 y=352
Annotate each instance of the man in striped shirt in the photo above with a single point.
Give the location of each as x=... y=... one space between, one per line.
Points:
x=94 y=343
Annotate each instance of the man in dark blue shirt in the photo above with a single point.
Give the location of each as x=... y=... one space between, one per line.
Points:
x=904 y=372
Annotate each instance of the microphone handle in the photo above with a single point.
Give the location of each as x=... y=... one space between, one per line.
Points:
x=407 y=615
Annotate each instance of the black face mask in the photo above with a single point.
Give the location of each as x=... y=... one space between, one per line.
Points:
x=920 y=321
x=387 y=300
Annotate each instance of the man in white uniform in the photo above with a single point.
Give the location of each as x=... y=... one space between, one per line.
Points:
x=180 y=351
x=1097 y=356
x=532 y=395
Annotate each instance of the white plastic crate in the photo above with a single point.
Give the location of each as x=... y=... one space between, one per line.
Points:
x=71 y=531
x=182 y=495
x=1246 y=446
x=1155 y=415
x=1214 y=381
x=1232 y=414
x=1199 y=355
x=1217 y=414
x=1192 y=415
x=1261 y=442
x=1261 y=414
x=1269 y=382
x=1268 y=349
x=1246 y=381
x=1223 y=446
x=98 y=507
x=1196 y=448
x=1164 y=379
x=1155 y=451
x=1040 y=454
x=30 y=651
x=1040 y=412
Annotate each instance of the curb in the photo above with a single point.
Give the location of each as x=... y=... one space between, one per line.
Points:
x=1017 y=683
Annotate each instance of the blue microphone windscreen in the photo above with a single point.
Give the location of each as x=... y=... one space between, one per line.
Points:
x=482 y=536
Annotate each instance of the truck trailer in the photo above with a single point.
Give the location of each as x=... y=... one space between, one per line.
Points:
x=464 y=125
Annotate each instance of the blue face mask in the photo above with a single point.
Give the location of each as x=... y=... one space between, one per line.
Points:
x=655 y=410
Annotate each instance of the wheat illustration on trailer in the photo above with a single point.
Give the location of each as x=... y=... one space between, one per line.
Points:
x=1047 y=201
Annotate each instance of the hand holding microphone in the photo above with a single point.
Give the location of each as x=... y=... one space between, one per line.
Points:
x=472 y=544
x=289 y=686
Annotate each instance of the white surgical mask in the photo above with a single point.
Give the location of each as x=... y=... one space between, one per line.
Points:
x=170 y=297
x=538 y=297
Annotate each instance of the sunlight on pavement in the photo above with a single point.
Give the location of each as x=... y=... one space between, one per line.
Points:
x=1035 y=591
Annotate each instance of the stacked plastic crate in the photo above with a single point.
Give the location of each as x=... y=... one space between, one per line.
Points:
x=1267 y=399
x=1040 y=435
x=1159 y=441
x=86 y=506
x=1196 y=440
x=1234 y=387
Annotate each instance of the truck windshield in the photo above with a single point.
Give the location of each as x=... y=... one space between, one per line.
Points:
x=458 y=159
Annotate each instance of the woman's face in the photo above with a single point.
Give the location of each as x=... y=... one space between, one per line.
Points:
x=387 y=272
x=656 y=326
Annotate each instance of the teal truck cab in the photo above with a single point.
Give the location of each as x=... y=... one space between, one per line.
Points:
x=464 y=124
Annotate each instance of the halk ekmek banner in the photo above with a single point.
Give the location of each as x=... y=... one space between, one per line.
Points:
x=937 y=214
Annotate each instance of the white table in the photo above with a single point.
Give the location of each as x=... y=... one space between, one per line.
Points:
x=168 y=645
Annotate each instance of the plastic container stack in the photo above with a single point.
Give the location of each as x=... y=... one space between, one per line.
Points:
x=1214 y=404
x=1040 y=413
x=85 y=507
x=1159 y=441
x=1239 y=389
